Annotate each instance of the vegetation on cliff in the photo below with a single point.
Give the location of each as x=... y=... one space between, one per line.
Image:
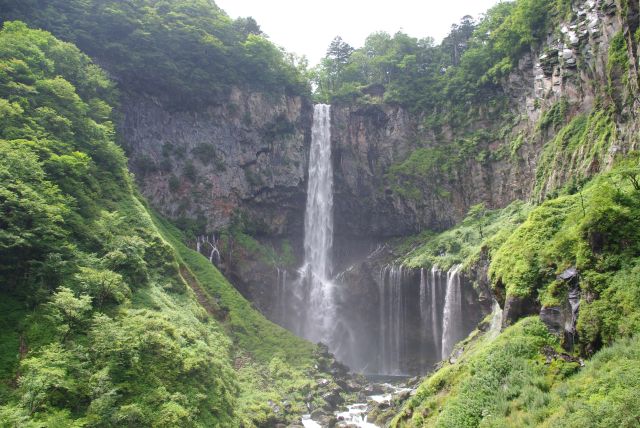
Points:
x=107 y=318
x=594 y=230
x=185 y=52
x=524 y=378
x=481 y=231
x=422 y=76
x=528 y=376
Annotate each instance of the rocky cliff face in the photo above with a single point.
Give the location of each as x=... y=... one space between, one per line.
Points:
x=572 y=68
x=243 y=155
x=247 y=155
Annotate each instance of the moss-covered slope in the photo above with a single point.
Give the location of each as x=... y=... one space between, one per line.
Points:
x=528 y=375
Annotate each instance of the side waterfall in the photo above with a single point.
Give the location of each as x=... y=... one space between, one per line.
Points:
x=436 y=316
x=213 y=253
x=452 y=317
x=438 y=306
x=318 y=232
x=392 y=320
x=281 y=294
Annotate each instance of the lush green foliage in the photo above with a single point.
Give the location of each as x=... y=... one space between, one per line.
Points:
x=418 y=74
x=595 y=230
x=491 y=377
x=521 y=379
x=482 y=230
x=603 y=394
x=185 y=51
x=577 y=150
x=98 y=325
x=271 y=363
x=58 y=162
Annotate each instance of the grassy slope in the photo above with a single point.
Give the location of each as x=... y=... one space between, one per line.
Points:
x=251 y=332
x=520 y=378
x=509 y=382
x=464 y=243
x=271 y=363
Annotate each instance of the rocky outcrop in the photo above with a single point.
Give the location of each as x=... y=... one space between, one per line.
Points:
x=562 y=319
x=244 y=155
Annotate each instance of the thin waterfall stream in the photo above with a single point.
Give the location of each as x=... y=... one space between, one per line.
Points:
x=452 y=315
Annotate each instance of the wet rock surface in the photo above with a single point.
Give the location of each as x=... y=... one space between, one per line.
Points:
x=375 y=405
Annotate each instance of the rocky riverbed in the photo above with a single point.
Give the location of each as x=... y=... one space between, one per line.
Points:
x=374 y=404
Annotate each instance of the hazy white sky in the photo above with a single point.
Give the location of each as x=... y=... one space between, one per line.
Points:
x=307 y=27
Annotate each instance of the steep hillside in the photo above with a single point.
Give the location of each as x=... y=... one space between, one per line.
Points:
x=214 y=118
x=569 y=256
x=107 y=319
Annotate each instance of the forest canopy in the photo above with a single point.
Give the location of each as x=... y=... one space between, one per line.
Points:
x=187 y=52
x=421 y=75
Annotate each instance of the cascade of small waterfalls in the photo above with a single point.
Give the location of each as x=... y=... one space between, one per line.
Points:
x=318 y=232
x=208 y=246
x=437 y=303
x=431 y=308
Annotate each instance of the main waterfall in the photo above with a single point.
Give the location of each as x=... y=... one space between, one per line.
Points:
x=318 y=232
x=398 y=322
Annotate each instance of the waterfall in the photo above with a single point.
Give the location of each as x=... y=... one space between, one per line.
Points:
x=452 y=315
x=496 y=321
x=318 y=231
x=427 y=320
x=281 y=297
x=435 y=316
x=424 y=301
x=392 y=320
x=213 y=254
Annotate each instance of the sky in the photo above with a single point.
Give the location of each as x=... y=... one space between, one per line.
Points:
x=306 y=28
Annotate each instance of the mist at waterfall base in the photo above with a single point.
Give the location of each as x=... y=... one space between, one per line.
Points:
x=414 y=316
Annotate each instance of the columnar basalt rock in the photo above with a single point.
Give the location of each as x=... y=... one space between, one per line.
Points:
x=244 y=154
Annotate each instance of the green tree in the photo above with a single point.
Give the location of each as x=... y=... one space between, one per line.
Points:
x=477 y=213
x=103 y=285
x=69 y=310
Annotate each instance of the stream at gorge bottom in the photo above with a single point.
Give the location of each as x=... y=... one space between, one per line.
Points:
x=376 y=398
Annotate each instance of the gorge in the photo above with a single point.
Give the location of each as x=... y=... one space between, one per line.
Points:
x=199 y=229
